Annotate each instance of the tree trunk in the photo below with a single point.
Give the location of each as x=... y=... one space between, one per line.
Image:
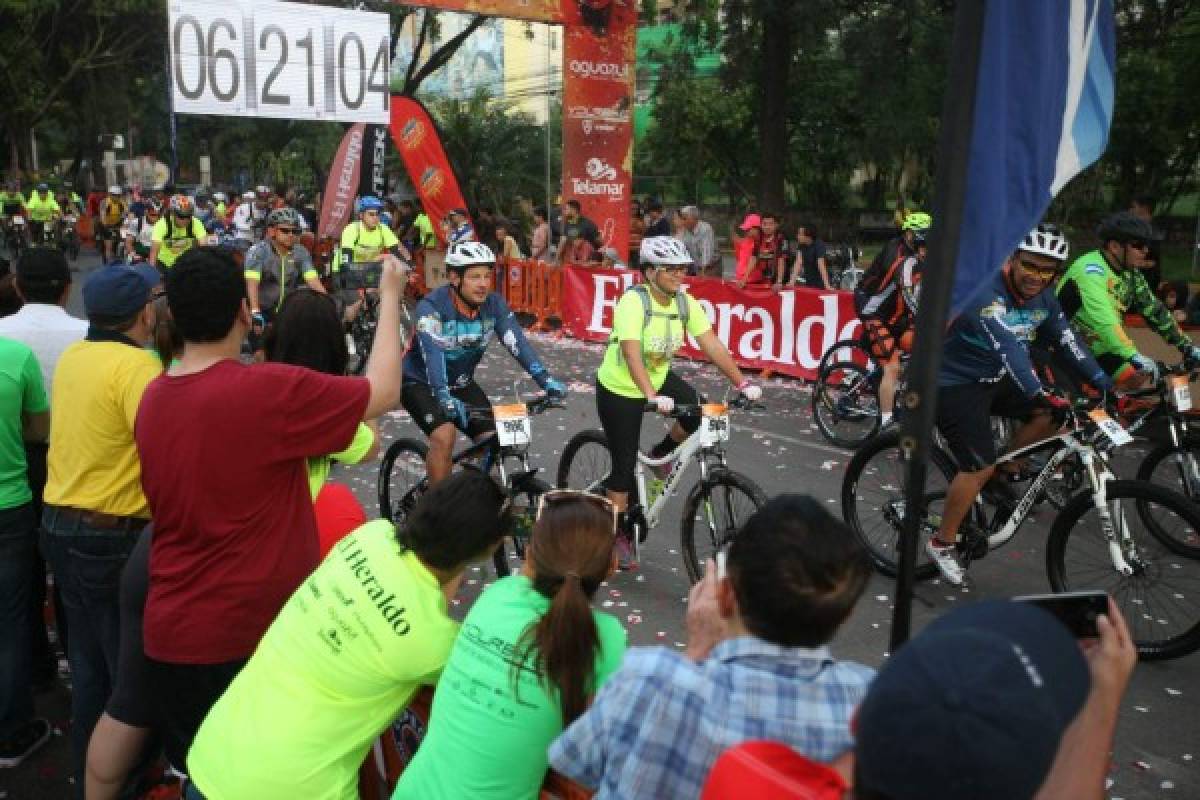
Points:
x=772 y=121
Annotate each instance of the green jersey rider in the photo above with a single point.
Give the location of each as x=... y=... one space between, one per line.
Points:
x=1102 y=286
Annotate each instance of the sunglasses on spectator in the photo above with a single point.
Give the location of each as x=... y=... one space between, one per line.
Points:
x=288 y=231
x=1045 y=273
x=564 y=495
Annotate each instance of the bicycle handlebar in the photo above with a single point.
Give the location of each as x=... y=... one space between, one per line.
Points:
x=741 y=402
x=538 y=405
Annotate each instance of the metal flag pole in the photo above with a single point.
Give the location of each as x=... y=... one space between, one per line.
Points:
x=171 y=109
x=937 y=284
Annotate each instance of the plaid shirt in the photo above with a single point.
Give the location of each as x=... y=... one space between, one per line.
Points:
x=659 y=723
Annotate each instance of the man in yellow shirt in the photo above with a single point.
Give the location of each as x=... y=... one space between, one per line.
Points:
x=94 y=505
x=176 y=232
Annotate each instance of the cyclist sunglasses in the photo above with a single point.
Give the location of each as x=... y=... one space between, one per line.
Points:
x=562 y=495
x=1045 y=273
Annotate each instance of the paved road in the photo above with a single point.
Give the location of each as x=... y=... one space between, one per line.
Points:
x=782 y=451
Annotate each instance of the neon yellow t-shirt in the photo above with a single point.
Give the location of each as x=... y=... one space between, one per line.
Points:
x=345 y=655
x=367 y=245
x=318 y=468
x=488 y=740
x=42 y=209
x=174 y=239
x=660 y=338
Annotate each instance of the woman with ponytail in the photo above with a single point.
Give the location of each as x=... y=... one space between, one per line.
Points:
x=529 y=657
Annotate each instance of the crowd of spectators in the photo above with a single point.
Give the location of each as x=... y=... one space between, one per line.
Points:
x=213 y=615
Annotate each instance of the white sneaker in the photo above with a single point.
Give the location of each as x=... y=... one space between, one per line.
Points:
x=946 y=559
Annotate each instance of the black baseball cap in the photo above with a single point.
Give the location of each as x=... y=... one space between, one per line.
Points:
x=119 y=290
x=974 y=706
x=43 y=265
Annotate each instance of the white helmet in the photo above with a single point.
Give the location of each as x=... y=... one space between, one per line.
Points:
x=1046 y=240
x=219 y=197
x=114 y=189
x=247 y=195
x=463 y=255
x=657 y=251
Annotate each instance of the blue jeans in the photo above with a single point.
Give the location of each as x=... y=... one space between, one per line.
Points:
x=87 y=564
x=18 y=551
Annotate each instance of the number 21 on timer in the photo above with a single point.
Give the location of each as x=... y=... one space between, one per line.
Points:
x=306 y=70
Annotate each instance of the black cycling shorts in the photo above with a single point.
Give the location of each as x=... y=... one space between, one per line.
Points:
x=621 y=418
x=422 y=405
x=964 y=418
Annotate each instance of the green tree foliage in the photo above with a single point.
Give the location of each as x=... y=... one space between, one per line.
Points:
x=861 y=86
x=499 y=154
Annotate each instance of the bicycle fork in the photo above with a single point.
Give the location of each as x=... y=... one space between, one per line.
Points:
x=1114 y=526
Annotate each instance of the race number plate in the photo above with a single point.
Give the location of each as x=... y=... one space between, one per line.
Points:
x=1110 y=427
x=714 y=425
x=1181 y=393
x=18 y=220
x=512 y=424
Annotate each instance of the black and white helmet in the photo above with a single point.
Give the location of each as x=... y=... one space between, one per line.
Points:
x=464 y=255
x=658 y=251
x=284 y=216
x=1046 y=240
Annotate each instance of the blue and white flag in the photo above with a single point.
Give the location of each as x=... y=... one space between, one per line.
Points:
x=1043 y=106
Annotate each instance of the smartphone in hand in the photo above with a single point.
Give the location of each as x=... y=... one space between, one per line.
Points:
x=1076 y=610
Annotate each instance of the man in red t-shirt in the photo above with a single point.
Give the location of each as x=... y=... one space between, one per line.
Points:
x=224 y=448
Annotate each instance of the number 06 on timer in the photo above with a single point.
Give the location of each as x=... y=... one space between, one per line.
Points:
x=284 y=60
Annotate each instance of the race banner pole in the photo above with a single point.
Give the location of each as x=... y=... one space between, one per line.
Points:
x=920 y=401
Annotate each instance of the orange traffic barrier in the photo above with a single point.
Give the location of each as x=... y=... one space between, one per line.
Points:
x=532 y=287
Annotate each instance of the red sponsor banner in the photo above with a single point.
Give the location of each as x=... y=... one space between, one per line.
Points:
x=337 y=203
x=786 y=332
x=598 y=85
x=420 y=147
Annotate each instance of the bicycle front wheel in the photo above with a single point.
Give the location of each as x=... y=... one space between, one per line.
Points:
x=401 y=479
x=873 y=501
x=715 y=511
x=1159 y=595
x=585 y=463
x=845 y=404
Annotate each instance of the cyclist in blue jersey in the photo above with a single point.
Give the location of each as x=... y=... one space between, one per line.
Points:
x=986 y=370
x=455 y=324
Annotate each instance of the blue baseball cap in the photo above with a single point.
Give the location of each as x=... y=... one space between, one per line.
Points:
x=974 y=706
x=119 y=290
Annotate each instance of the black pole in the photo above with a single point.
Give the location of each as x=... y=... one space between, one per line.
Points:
x=937 y=284
x=171 y=110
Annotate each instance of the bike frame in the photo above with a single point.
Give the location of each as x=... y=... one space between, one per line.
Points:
x=1119 y=542
x=692 y=449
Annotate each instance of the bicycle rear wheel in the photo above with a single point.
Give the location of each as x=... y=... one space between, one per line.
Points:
x=715 y=511
x=401 y=480
x=585 y=463
x=873 y=501
x=1177 y=469
x=845 y=404
x=1160 y=599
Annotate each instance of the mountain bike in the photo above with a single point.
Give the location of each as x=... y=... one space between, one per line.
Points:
x=15 y=233
x=69 y=243
x=845 y=396
x=402 y=478
x=720 y=502
x=1135 y=540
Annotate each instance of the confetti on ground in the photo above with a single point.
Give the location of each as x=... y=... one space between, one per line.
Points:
x=1174 y=692
x=634 y=619
x=883 y=598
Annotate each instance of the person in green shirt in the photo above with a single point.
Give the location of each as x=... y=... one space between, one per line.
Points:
x=530 y=655
x=43 y=210
x=1104 y=285
x=24 y=416
x=175 y=233
x=367 y=239
x=649 y=324
x=348 y=651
